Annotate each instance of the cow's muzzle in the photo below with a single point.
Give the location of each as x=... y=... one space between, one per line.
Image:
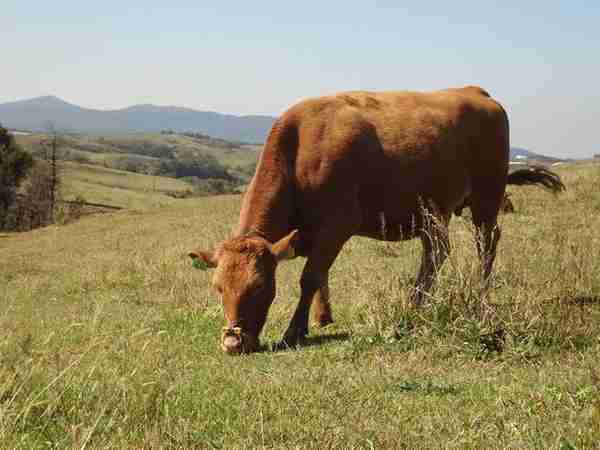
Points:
x=234 y=340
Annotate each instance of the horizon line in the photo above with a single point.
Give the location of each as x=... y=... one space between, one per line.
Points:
x=115 y=109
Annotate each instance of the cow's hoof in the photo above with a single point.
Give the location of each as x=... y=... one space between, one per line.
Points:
x=293 y=338
x=323 y=321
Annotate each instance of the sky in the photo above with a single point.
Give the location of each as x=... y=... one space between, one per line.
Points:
x=540 y=59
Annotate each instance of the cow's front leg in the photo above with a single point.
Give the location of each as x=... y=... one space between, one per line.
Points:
x=315 y=291
x=314 y=281
x=310 y=285
x=321 y=307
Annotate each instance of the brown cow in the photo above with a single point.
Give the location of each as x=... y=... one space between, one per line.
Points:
x=353 y=164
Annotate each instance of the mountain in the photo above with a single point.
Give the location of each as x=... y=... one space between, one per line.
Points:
x=35 y=114
x=524 y=155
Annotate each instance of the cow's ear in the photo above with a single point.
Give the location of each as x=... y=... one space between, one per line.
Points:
x=285 y=248
x=203 y=260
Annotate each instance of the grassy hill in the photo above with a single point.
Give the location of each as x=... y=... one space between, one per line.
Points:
x=99 y=149
x=199 y=158
x=119 y=188
x=110 y=338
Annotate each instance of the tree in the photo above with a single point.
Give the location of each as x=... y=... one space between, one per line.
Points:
x=50 y=147
x=15 y=163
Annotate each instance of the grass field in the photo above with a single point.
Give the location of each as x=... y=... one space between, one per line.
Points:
x=129 y=190
x=110 y=339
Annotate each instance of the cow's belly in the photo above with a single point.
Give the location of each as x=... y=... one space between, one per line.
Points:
x=394 y=213
x=384 y=227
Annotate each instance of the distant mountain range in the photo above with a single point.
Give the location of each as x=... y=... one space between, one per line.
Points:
x=34 y=114
x=521 y=154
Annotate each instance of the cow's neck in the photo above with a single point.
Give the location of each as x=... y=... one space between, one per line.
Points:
x=268 y=203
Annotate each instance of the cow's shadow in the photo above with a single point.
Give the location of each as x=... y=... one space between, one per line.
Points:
x=308 y=341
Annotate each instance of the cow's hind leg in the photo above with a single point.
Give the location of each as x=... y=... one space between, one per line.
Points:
x=488 y=235
x=436 y=247
x=485 y=217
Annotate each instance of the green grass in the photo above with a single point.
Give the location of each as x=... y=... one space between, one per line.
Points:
x=119 y=188
x=110 y=339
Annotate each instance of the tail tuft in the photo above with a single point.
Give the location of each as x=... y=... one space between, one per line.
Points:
x=537 y=175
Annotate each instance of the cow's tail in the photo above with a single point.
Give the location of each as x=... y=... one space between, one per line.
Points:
x=537 y=175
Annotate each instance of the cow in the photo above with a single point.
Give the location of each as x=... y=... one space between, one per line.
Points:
x=343 y=165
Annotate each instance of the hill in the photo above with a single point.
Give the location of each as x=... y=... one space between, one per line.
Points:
x=110 y=338
x=524 y=155
x=211 y=164
x=34 y=114
x=119 y=188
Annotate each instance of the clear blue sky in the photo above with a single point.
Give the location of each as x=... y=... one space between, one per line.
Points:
x=541 y=59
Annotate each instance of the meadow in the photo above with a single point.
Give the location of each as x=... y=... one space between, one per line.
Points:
x=110 y=339
x=119 y=188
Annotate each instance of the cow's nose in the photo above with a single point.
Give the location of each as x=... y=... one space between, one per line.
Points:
x=232 y=344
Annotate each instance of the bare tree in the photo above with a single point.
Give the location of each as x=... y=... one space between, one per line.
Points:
x=51 y=147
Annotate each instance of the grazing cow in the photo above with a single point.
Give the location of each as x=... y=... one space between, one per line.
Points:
x=359 y=163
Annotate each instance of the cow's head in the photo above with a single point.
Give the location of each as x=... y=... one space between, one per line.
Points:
x=244 y=277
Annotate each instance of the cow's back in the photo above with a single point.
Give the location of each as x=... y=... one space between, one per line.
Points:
x=395 y=149
x=404 y=124
x=385 y=153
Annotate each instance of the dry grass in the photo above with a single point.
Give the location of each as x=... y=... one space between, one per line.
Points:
x=110 y=339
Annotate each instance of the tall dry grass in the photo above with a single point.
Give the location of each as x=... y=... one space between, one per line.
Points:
x=110 y=339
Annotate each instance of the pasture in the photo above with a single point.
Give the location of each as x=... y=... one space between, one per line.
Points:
x=110 y=338
x=118 y=187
